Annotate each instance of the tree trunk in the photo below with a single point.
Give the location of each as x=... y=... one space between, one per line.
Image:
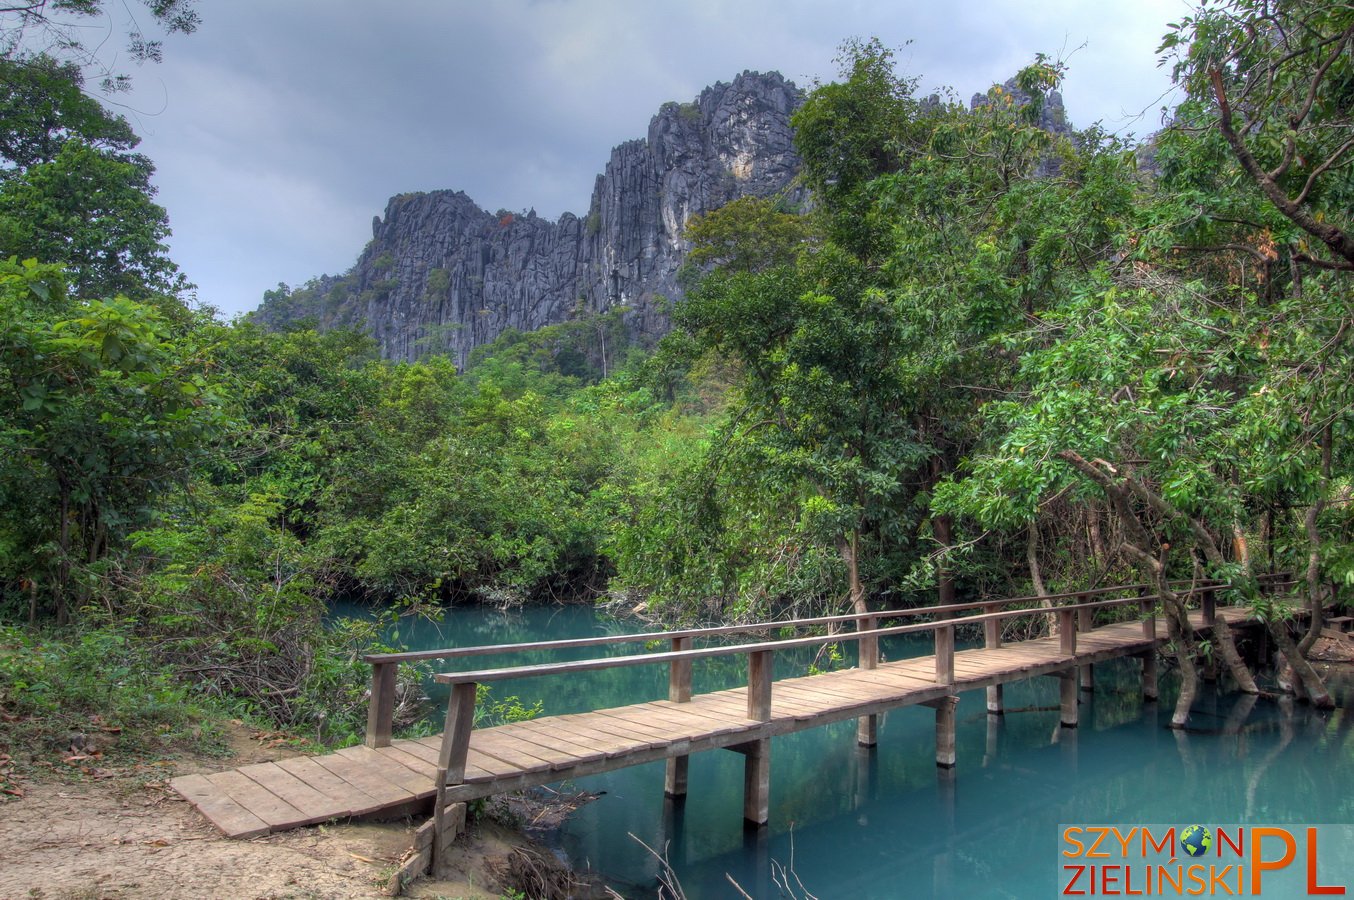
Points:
x=1310 y=680
x=1097 y=542
x=1137 y=545
x=1189 y=673
x=943 y=526
x=1236 y=666
x=63 y=566
x=1177 y=626
x=849 y=547
x=1036 y=578
x=1225 y=646
x=1315 y=612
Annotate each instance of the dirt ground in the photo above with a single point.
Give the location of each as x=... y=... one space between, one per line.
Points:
x=122 y=833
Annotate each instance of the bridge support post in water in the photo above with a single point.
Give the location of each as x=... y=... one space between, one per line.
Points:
x=992 y=748
x=867 y=727
x=757 y=759
x=945 y=718
x=757 y=782
x=1149 y=675
x=992 y=641
x=1068 y=698
x=679 y=691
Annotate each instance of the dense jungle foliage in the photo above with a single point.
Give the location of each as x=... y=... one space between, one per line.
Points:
x=990 y=360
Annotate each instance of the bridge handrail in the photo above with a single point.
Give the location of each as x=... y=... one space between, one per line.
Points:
x=384 y=666
x=453 y=756
x=636 y=659
x=724 y=630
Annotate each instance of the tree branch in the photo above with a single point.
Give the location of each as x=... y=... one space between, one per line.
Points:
x=1339 y=243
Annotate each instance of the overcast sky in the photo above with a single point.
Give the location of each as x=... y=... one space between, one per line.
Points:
x=282 y=126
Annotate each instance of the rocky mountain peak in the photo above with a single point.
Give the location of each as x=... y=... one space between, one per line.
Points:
x=442 y=275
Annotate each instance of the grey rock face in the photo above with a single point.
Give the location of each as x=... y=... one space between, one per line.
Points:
x=442 y=275
x=1052 y=115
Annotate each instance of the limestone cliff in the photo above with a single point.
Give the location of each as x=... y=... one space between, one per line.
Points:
x=442 y=275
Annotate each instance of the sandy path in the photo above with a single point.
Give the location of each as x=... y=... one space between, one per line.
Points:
x=128 y=836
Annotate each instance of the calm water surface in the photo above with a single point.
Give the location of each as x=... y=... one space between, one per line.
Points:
x=854 y=823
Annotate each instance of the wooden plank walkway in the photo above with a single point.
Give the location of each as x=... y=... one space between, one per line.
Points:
x=400 y=778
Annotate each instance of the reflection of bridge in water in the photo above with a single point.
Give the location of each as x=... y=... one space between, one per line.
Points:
x=990 y=831
x=401 y=777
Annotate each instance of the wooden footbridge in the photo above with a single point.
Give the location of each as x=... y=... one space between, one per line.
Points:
x=390 y=778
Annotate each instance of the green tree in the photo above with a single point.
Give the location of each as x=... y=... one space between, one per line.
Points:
x=93 y=212
x=43 y=105
x=106 y=403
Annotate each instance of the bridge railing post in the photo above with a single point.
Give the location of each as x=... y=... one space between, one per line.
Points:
x=381 y=707
x=1209 y=604
x=1085 y=623
x=1147 y=607
x=867 y=727
x=760 y=664
x=451 y=761
x=1067 y=631
x=757 y=755
x=869 y=646
x=992 y=627
x=944 y=654
x=1086 y=615
x=679 y=673
x=679 y=691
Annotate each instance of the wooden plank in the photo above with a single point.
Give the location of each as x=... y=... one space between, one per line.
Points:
x=607 y=742
x=493 y=754
x=508 y=752
x=663 y=733
x=624 y=731
x=317 y=776
x=316 y=806
x=846 y=693
x=223 y=812
x=918 y=677
x=365 y=780
x=278 y=813
x=391 y=770
x=555 y=736
x=891 y=682
x=404 y=753
x=686 y=716
x=783 y=707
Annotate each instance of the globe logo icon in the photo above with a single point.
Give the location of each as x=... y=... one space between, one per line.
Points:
x=1196 y=839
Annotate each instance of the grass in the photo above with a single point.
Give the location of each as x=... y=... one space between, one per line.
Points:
x=90 y=698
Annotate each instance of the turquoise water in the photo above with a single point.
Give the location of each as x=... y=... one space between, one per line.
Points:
x=853 y=823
